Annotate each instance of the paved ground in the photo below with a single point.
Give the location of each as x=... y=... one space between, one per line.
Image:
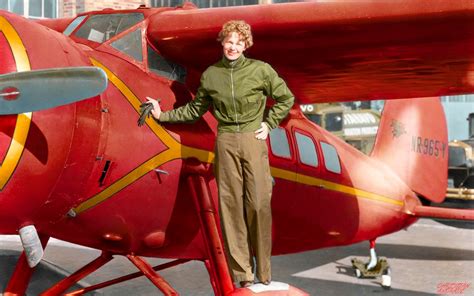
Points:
x=427 y=259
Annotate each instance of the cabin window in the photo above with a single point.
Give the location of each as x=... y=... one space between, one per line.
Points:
x=306 y=150
x=163 y=67
x=102 y=27
x=73 y=25
x=279 y=143
x=331 y=159
x=130 y=44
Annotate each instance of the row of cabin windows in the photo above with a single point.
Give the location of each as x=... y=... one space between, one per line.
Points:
x=101 y=27
x=307 y=150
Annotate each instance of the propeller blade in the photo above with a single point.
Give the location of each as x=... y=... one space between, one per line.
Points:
x=28 y=91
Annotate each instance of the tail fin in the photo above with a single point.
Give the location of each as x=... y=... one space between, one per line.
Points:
x=412 y=140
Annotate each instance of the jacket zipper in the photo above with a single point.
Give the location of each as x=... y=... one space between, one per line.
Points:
x=233 y=96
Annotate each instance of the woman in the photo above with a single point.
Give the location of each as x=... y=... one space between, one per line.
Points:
x=237 y=88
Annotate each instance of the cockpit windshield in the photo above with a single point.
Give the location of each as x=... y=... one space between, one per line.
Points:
x=101 y=27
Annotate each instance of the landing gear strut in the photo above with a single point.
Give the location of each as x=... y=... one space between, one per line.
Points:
x=376 y=267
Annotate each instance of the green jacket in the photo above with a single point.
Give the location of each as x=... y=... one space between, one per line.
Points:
x=237 y=91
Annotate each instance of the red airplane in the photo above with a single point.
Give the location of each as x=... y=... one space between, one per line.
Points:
x=81 y=170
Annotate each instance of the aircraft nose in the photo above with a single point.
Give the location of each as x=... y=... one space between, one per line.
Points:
x=54 y=83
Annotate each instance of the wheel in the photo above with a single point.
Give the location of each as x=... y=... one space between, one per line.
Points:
x=358 y=273
x=386 y=281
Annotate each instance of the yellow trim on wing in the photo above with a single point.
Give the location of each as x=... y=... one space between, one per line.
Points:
x=23 y=122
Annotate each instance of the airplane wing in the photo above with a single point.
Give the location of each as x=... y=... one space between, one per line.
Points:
x=331 y=51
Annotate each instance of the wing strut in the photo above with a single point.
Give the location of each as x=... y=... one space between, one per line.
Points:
x=21 y=276
x=217 y=264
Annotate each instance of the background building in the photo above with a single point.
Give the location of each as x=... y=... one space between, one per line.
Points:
x=457 y=109
x=69 y=8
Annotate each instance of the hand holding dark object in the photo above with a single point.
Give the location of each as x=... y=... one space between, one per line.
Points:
x=146 y=110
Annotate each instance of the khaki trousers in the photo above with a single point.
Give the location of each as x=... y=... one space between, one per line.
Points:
x=245 y=188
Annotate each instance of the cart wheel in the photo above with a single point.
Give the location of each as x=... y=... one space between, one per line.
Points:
x=358 y=273
x=386 y=281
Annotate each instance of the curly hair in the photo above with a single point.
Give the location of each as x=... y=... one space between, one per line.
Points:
x=240 y=27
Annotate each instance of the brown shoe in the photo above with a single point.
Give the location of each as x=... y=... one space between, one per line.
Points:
x=245 y=284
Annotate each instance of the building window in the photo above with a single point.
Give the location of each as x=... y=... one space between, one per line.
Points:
x=306 y=150
x=165 y=3
x=334 y=121
x=31 y=8
x=458 y=99
x=204 y=3
x=331 y=159
x=279 y=143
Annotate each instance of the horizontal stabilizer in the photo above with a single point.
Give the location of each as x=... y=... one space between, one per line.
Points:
x=443 y=213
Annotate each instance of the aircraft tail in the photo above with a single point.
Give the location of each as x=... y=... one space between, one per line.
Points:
x=412 y=139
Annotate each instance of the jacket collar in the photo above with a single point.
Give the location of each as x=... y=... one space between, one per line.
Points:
x=234 y=64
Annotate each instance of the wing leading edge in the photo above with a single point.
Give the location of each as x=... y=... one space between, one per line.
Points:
x=339 y=51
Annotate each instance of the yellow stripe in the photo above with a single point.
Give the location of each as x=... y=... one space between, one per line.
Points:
x=307 y=180
x=22 y=127
x=128 y=179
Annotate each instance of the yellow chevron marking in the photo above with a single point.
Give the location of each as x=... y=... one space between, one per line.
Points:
x=23 y=122
x=177 y=151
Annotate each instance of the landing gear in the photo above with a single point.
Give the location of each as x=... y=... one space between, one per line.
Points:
x=376 y=267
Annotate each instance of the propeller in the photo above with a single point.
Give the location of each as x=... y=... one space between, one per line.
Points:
x=28 y=91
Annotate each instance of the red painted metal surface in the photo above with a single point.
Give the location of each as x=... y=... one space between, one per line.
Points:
x=87 y=174
x=292 y=291
x=415 y=140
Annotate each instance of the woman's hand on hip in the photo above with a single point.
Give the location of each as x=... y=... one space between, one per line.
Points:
x=262 y=132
